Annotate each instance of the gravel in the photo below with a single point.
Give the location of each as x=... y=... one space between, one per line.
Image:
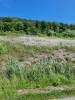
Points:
x=39 y=41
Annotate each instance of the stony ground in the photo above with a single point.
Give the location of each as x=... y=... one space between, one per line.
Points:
x=39 y=41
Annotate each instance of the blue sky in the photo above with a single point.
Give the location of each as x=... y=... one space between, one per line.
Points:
x=50 y=10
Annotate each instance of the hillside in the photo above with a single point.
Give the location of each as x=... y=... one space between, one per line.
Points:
x=37 y=60
x=18 y=26
x=36 y=72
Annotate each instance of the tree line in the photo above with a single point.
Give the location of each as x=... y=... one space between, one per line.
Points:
x=31 y=27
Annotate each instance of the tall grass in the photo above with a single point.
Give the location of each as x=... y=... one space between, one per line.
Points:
x=34 y=76
x=40 y=74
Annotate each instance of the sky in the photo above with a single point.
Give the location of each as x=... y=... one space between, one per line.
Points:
x=49 y=10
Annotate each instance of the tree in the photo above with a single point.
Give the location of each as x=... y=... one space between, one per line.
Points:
x=6 y=19
x=6 y=27
x=62 y=27
x=49 y=25
x=54 y=26
x=43 y=25
x=37 y=24
x=72 y=27
x=18 y=26
x=33 y=31
x=1 y=26
x=25 y=27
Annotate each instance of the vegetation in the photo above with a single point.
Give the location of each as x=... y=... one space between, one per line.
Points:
x=18 y=26
x=46 y=96
x=36 y=76
x=41 y=75
x=34 y=67
x=17 y=75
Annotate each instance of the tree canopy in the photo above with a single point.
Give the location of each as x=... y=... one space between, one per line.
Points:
x=35 y=27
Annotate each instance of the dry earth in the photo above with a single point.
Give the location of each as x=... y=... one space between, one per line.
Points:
x=39 y=41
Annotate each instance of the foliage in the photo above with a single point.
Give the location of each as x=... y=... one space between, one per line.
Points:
x=30 y=27
x=37 y=75
x=52 y=72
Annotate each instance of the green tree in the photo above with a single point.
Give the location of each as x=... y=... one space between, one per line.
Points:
x=62 y=27
x=25 y=27
x=6 y=27
x=6 y=19
x=37 y=24
x=18 y=26
x=43 y=25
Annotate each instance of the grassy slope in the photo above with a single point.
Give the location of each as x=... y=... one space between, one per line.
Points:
x=41 y=35
x=10 y=51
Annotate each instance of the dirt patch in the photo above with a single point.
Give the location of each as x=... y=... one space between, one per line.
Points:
x=60 y=55
x=45 y=90
x=38 y=41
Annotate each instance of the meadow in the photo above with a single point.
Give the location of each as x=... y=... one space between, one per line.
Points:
x=19 y=70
